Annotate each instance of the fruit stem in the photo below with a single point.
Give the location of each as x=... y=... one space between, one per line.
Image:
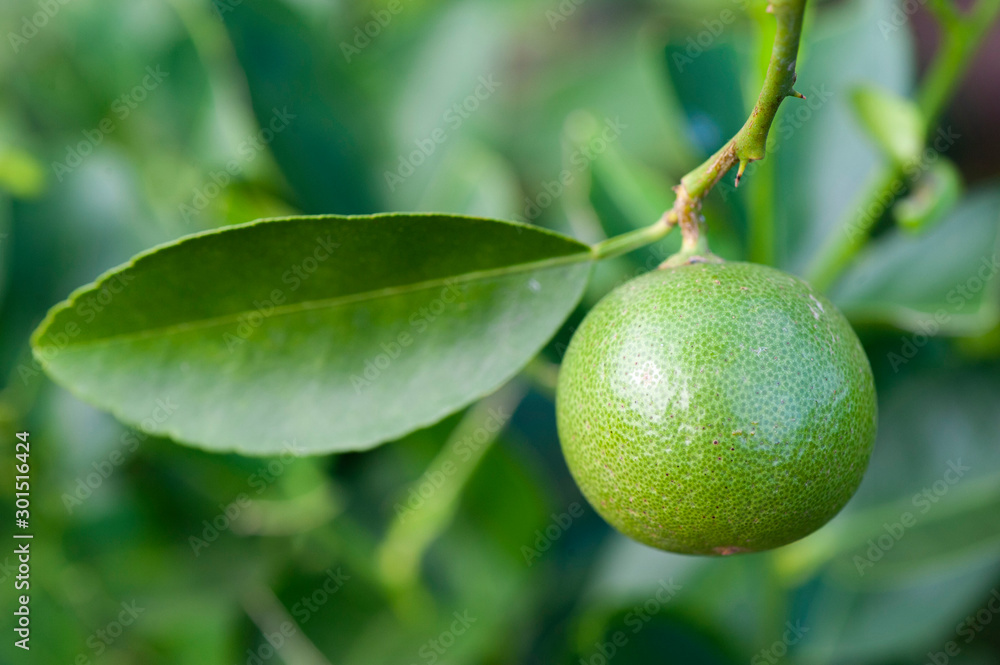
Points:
x=750 y=143
x=963 y=34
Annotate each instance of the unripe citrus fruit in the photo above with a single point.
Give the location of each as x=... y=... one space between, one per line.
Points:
x=716 y=408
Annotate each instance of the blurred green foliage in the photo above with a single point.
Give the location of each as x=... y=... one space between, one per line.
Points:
x=125 y=124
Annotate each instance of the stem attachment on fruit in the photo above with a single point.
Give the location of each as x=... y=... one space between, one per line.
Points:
x=750 y=143
x=694 y=243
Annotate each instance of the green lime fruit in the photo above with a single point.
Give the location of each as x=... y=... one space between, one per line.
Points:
x=716 y=408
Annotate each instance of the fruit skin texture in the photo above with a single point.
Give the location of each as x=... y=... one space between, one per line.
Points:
x=716 y=408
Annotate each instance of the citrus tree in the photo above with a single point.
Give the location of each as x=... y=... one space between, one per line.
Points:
x=709 y=399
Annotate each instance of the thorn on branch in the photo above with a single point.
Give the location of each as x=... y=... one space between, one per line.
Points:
x=739 y=173
x=797 y=94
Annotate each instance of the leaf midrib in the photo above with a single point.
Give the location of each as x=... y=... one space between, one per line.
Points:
x=307 y=305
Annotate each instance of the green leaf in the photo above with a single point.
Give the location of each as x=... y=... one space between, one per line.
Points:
x=20 y=173
x=874 y=623
x=305 y=88
x=894 y=122
x=932 y=197
x=472 y=180
x=942 y=281
x=327 y=333
x=692 y=642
